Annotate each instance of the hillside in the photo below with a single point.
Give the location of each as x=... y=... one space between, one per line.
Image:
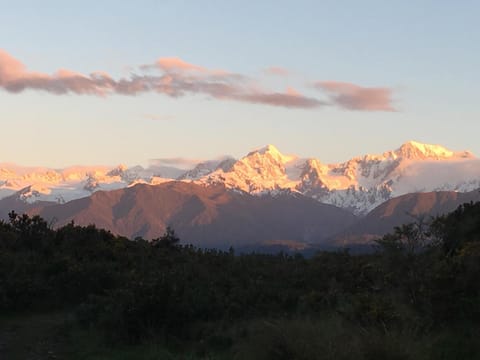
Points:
x=205 y=215
x=402 y=210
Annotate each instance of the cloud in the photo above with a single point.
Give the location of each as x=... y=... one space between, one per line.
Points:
x=181 y=78
x=354 y=97
x=174 y=77
x=15 y=78
x=178 y=162
x=186 y=163
x=277 y=71
x=177 y=64
x=284 y=99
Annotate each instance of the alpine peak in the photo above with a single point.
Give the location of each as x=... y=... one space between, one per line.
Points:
x=268 y=148
x=273 y=152
x=416 y=150
x=359 y=184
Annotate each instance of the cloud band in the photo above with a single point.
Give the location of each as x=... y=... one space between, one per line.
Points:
x=175 y=78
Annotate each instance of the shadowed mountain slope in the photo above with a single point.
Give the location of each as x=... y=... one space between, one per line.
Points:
x=205 y=215
x=402 y=210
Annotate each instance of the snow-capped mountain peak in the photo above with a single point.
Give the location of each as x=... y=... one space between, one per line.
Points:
x=359 y=184
x=414 y=150
x=261 y=170
x=207 y=167
x=269 y=148
x=273 y=152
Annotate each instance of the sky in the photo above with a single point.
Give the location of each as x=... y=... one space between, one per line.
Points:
x=109 y=82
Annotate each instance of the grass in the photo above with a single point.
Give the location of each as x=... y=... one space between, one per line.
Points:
x=56 y=336
x=52 y=336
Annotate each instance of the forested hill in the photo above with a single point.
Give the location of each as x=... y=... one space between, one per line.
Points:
x=417 y=297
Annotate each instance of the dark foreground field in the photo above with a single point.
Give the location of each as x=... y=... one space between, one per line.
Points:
x=82 y=293
x=56 y=336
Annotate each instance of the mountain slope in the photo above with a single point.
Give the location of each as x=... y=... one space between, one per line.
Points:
x=205 y=216
x=402 y=210
x=15 y=203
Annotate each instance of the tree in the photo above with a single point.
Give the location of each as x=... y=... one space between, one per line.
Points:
x=408 y=239
x=168 y=239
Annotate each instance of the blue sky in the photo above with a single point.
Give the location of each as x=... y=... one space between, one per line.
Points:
x=419 y=58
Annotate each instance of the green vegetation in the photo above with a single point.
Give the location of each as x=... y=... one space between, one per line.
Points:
x=83 y=293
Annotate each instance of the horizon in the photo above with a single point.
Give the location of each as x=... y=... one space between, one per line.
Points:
x=127 y=83
x=185 y=163
x=188 y=163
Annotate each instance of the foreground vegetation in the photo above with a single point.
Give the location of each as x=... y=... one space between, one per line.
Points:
x=83 y=293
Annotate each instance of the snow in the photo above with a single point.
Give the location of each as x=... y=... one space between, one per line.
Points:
x=207 y=167
x=61 y=185
x=359 y=184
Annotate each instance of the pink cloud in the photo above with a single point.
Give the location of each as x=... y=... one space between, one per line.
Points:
x=290 y=98
x=14 y=77
x=355 y=97
x=177 y=64
x=283 y=99
x=292 y=91
x=276 y=70
x=175 y=78
x=10 y=68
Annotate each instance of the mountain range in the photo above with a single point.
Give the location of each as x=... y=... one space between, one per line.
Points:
x=265 y=197
x=208 y=216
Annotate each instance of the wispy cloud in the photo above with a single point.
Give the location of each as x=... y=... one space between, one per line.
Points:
x=14 y=77
x=180 y=78
x=174 y=77
x=354 y=97
x=178 y=162
x=286 y=99
x=277 y=71
x=186 y=163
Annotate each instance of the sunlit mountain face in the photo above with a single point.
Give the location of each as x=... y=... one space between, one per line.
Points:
x=359 y=184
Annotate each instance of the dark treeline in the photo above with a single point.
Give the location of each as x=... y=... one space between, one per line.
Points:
x=416 y=296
